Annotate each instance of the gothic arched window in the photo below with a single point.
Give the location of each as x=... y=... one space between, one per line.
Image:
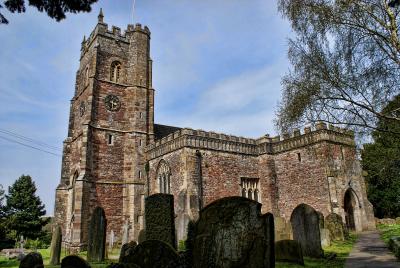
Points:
x=115 y=71
x=250 y=188
x=164 y=177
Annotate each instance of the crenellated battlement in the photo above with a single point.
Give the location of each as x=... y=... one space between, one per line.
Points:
x=114 y=33
x=201 y=139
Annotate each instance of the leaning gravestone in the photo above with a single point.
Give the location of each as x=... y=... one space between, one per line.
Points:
x=306 y=223
x=231 y=232
x=74 y=261
x=97 y=236
x=151 y=254
x=160 y=218
x=32 y=260
x=289 y=251
x=55 y=247
x=334 y=223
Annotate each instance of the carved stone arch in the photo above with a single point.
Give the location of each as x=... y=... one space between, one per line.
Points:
x=352 y=210
x=163 y=177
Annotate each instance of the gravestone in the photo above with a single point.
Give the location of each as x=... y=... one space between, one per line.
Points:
x=97 y=236
x=306 y=230
x=152 y=253
x=283 y=229
x=111 y=240
x=160 y=218
x=125 y=235
x=325 y=237
x=231 y=232
x=334 y=223
x=55 y=247
x=74 y=261
x=289 y=251
x=142 y=236
x=32 y=260
x=126 y=250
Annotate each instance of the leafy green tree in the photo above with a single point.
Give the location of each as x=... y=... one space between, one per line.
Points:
x=55 y=9
x=2 y=215
x=345 y=59
x=24 y=210
x=381 y=160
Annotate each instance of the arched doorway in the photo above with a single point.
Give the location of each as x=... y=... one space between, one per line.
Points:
x=352 y=211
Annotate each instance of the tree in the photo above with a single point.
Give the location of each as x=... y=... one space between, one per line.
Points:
x=381 y=160
x=345 y=63
x=55 y=9
x=24 y=210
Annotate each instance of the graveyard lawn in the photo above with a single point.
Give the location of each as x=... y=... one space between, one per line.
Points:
x=388 y=230
x=340 y=248
x=4 y=262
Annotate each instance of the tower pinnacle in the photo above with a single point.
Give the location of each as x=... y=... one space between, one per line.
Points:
x=100 y=16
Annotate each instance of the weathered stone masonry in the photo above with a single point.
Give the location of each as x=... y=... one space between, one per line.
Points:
x=115 y=155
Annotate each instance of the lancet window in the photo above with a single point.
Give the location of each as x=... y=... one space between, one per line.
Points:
x=164 y=177
x=250 y=188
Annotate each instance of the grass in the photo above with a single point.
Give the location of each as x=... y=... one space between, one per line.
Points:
x=388 y=230
x=4 y=262
x=340 y=248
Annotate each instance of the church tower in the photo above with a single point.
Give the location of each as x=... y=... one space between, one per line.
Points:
x=111 y=121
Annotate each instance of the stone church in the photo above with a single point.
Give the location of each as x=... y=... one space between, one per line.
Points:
x=115 y=155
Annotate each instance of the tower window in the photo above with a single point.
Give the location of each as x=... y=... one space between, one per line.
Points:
x=140 y=174
x=110 y=139
x=115 y=71
x=250 y=188
x=140 y=142
x=141 y=115
x=299 y=157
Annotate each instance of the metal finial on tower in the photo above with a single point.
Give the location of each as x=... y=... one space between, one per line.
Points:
x=100 y=16
x=133 y=12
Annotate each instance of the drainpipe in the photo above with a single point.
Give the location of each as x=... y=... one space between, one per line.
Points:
x=199 y=157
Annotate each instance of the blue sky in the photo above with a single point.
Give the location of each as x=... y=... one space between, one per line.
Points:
x=217 y=66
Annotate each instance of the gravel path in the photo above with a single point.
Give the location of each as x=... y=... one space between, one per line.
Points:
x=371 y=252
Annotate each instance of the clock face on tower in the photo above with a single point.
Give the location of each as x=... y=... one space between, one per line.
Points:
x=112 y=103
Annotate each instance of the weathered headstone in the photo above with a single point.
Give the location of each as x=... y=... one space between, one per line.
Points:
x=142 y=236
x=306 y=230
x=152 y=253
x=160 y=218
x=283 y=229
x=231 y=232
x=125 y=235
x=126 y=250
x=74 y=261
x=334 y=223
x=111 y=240
x=325 y=237
x=32 y=260
x=55 y=247
x=289 y=251
x=97 y=236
